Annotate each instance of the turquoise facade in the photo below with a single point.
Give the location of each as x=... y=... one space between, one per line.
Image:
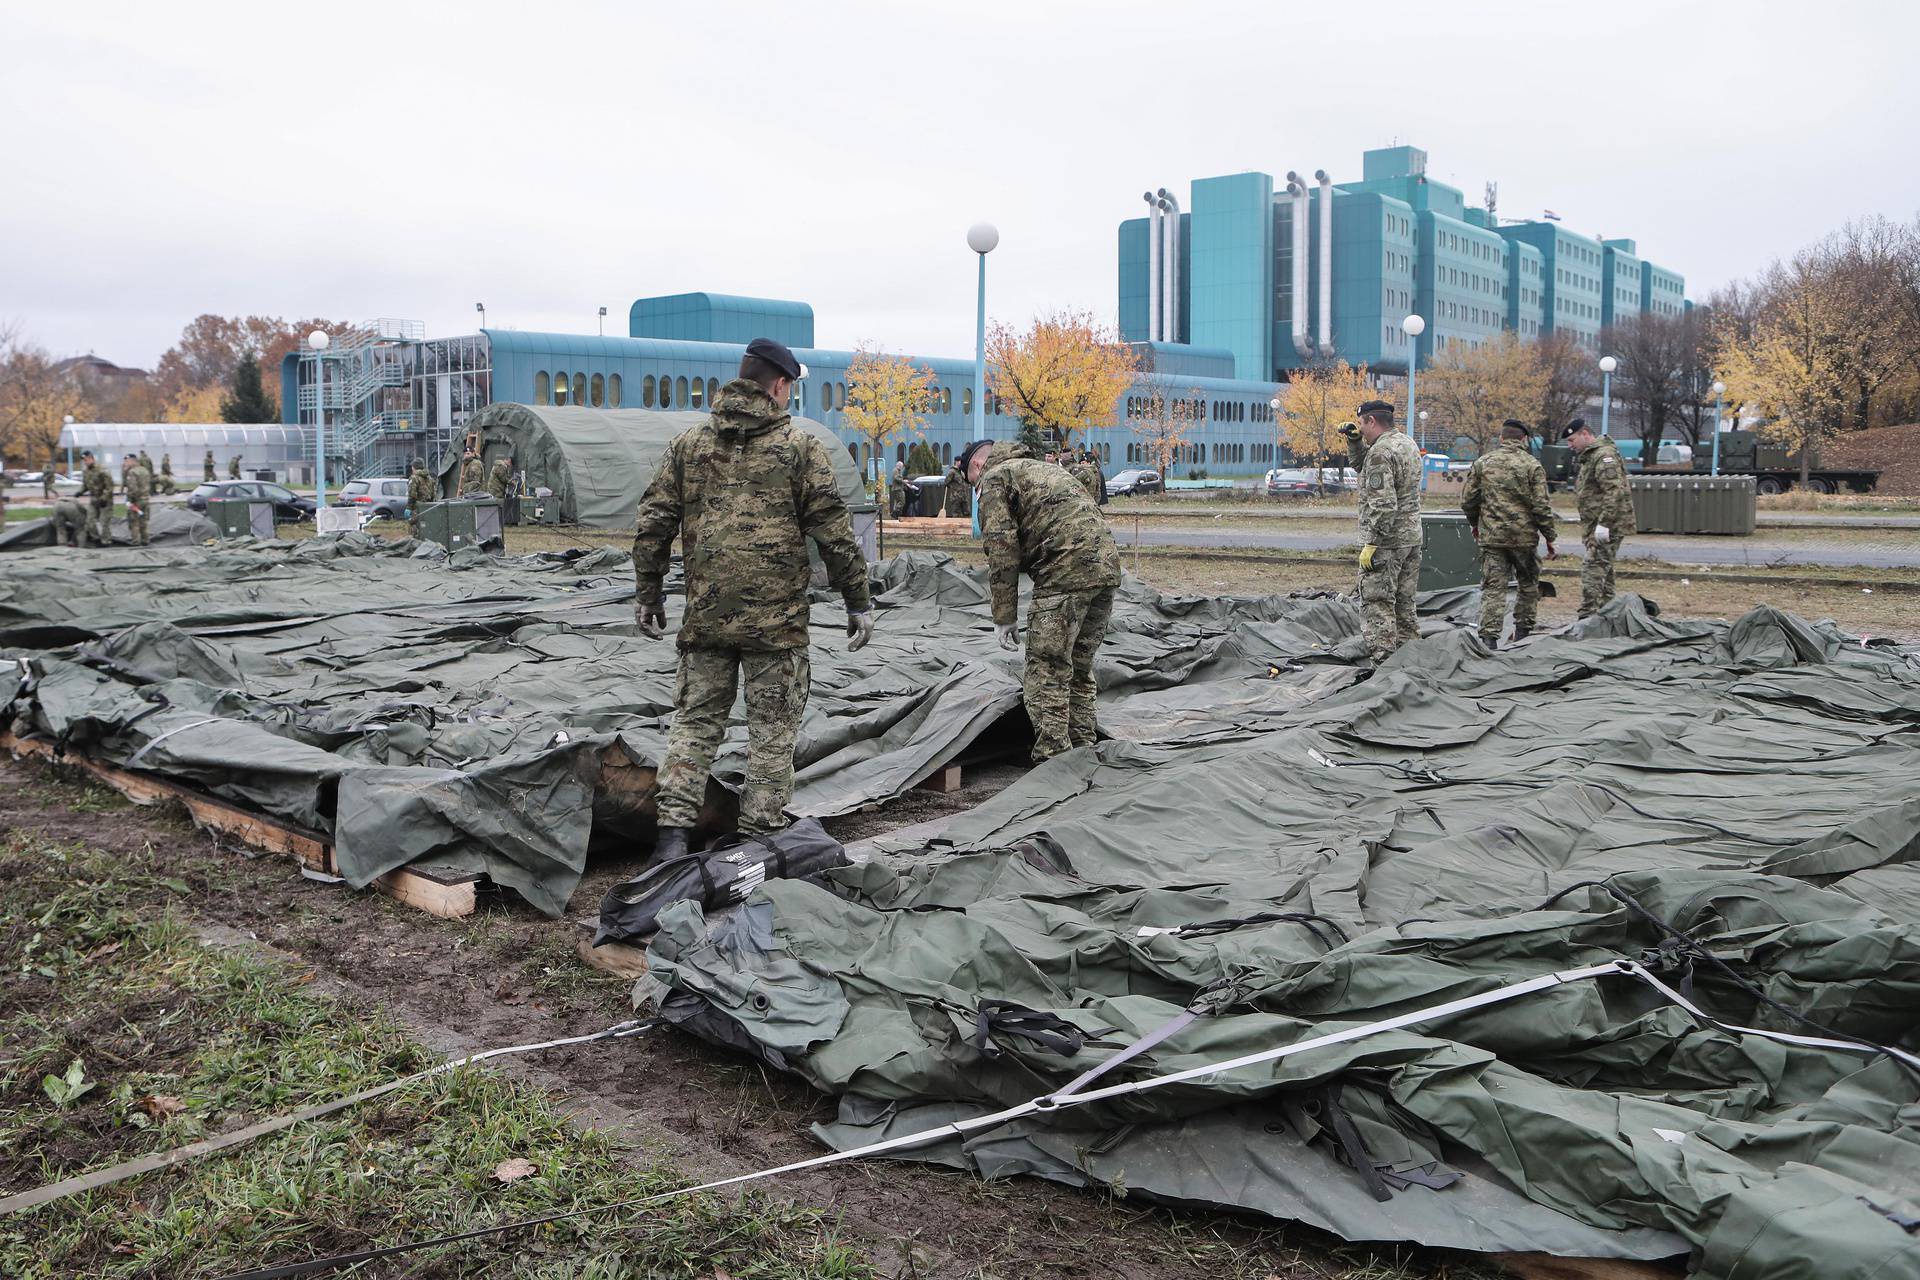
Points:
x=1135 y=263
x=1403 y=243
x=721 y=317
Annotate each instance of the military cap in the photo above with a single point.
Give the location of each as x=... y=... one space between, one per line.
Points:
x=1578 y=424
x=1376 y=407
x=961 y=463
x=86 y=453
x=775 y=354
x=1514 y=422
x=419 y=464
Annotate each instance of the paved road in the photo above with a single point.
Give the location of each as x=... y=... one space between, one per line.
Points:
x=1282 y=511
x=1898 y=551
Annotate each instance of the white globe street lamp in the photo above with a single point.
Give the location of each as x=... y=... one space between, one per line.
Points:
x=318 y=341
x=983 y=238
x=1719 y=390
x=1413 y=326
x=1607 y=365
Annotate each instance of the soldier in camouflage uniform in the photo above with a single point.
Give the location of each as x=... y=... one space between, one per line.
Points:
x=471 y=475
x=1605 y=500
x=207 y=466
x=47 y=478
x=1506 y=507
x=500 y=479
x=1037 y=519
x=139 y=492
x=745 y=491
x=98 y=486
x=1086 y=474
x=1389 y=530
x=419 y=494
x=233 y=467
x=69 y=522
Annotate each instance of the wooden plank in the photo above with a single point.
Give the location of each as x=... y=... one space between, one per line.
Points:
x=945 y=780
x=1544 y=1266
x=448 y=896
x=617 y=958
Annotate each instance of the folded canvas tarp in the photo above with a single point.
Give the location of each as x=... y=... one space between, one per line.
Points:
x=596 y=463
x=1458 y=822
x=169 y=525
x=463 y=711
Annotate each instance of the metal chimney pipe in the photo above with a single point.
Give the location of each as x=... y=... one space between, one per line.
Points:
x=1153 y=267
x=1170 y=303
x=1326 y=262
x=1297 y=195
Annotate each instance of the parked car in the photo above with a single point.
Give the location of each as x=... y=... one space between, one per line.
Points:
x=1307 y=482
x=61 y=483
x=1134 y=480
x=287 y=505
x=376 y=497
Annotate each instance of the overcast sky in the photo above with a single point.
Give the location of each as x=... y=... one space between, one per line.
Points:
x=360 y=160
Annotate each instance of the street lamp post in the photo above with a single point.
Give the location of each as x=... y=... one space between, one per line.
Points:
x=318 y=342
x=982 y=238
x=1719 y=390
x=68 y=422
x=603 y=322
x=1413 y=326
x=1607 y=365
x=481 y=307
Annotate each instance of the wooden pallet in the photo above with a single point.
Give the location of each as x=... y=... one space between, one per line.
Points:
x=1544 y=1266
x=935 y=526
x=439 y=891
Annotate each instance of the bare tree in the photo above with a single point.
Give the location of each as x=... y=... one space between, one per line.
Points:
x=1651 y=383
x=1572 y=380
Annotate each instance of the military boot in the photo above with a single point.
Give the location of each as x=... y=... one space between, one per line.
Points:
x=670 y=842
x=1520 y=633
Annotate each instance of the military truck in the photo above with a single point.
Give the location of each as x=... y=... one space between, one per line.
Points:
x=1774 y=469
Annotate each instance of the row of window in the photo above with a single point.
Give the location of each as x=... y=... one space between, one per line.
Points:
x=862 y=454
x=596 y=392
x=665 y=392
x=1198 y=410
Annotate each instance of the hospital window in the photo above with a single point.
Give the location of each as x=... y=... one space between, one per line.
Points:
x=713 y=391
x=542 y=387
x=599 y=391
x=699 y=393
x=559 y=388
x=580 y=388
x=646 y=392
x=680 y=392
x=613 y=391
x=966 y=401
x=826 y=396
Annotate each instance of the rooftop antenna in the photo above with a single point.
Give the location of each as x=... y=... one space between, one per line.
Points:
x=1493 y=198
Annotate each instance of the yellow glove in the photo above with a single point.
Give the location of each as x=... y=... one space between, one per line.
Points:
x=1366 y=557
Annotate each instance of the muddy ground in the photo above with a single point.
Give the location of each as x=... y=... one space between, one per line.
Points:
x=508 y=975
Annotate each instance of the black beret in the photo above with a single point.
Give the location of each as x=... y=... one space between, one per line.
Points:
x=775 y=354
x=966 y=455
x=1514 y=422
x=1373 y=407
x=1578 y=424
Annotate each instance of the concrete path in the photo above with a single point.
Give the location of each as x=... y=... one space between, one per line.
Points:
x=1280 y=510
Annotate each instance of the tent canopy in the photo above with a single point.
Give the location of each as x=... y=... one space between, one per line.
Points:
x=598 y=462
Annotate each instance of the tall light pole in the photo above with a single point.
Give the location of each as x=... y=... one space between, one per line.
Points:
x=68 y=422
x=603 y=322
x=1607 y=365
x=318 y=342
x=481 y=307
x=1413 y=326
x=982 y=238
x=1719 y=390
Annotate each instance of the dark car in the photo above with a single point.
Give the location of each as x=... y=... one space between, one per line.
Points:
x=1134 y=480
x=287 y=505
x=376 y=497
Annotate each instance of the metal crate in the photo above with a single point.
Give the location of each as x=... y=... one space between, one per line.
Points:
x=242 y=517
x=1449 y=557
x=462 y=522
x=1658 y=503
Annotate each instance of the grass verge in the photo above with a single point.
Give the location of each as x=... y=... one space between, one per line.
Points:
x=121 y=1034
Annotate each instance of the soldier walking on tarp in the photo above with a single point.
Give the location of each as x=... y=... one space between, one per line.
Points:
x=1507 y=509
x=139 y=492
x=1389 y=530
x=419 y=494
x=98 y=486
x=69 y=523
x=1605 y=500
x=1038 y=519
x=745 y=491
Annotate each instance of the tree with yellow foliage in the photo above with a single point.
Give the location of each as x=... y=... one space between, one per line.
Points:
x=1790 y=363
x=887 y=398
x=1317 y=401
x=1064 y=376
x=1163 y=422
x=34 y=398
x=1470 y=390
x=196 y=404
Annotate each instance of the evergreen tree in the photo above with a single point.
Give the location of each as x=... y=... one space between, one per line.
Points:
x=247 y=399
x=1030 y=436
x=922 y=460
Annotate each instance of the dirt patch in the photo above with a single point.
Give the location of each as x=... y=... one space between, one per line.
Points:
x=1893 y=451
x=508 y=976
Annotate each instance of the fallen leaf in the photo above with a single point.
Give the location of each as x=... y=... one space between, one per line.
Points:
x=161 y=1106
x=515 y=1169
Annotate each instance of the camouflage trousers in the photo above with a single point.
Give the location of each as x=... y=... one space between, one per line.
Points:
x=776 y=695
x=1596 y=573
x=100 y=524
x=1386 y=600
x=1064 y=632
x=1497 y=565
x=69 y=526
x=137 y=526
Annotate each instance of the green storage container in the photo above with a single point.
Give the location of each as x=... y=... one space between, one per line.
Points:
x=242 y=517
x=1657 y=502
x=1449 y=557
x=1727 y=505
x=462 y=522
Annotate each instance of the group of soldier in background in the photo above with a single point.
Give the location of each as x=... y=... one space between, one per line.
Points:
x=1507 y=510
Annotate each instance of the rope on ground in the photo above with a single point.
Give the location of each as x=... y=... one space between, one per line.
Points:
x=179 y=1155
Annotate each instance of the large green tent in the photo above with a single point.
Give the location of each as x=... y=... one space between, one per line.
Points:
x=596 y=463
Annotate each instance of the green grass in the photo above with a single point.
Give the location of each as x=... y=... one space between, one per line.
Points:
x=178 y=1040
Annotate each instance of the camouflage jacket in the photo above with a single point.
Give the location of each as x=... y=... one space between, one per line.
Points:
x=1390 y=492
x=1037 y=519
x=1601 y=490
x=500 y=479
x=471 y=477
x=139 y=484
x=1089 y=477
x=745 y=490
x=1506 y=498
x=97 y=484
x=419 y=491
